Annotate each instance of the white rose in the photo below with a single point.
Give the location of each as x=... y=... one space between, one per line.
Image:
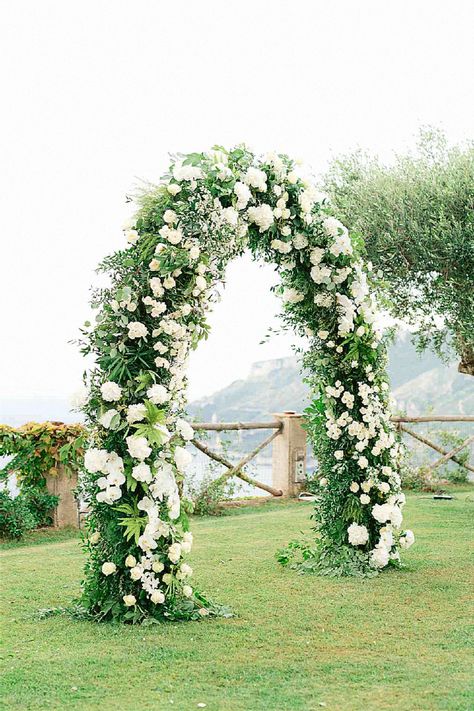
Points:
x=109 y=568
x=174 y=552
x=397 y=517
x=256 y=179
x=382 y=512
x=407 y=539
x=262 y=216
x=194 y=252
x=130 y=561
x=316 y=255
x=243 y=195
x=136 y=572
x=186 y=172
x=384 y=487
x=170 y=216
x=158 y=394
x=135 y=413
x=129 y=600
x=137 y=330
x=110 y=391
x=186 y=570
x=157 y=597
x=157 y=566
x=182 y=458
x=320 y=275
x=173 y=189
x=156 y=287
x=364 y=499
x=379 y=557
x=184 y=429
x=94 y=538
x=142 y=472
x=333 y=227
x=292 y=296
x=339 y=454
x=354 y=487
x=95 y=460
x=138 y=447
x=300 y=241
x=187 y=590
x=131 y=236
x=358 y=535
x=107 y=418
x=201 y=282
x=280 y=246
x=363 y=462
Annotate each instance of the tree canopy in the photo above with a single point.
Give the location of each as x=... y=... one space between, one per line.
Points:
x=417 y=218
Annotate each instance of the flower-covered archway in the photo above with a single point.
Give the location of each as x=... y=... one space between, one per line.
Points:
x=206 y=211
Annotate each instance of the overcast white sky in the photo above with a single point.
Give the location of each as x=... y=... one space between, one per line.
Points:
x=96 y=93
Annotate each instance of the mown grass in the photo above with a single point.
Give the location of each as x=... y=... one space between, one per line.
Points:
x=398 y=642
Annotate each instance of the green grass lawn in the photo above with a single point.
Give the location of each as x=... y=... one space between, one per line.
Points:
x=398 y=642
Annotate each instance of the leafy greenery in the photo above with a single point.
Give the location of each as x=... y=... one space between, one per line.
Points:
x=399 y=642
x=417 y=218
x=16 y=519
x=36 y=450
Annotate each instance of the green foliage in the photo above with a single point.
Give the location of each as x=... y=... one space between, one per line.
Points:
x=37 y=448
x=40 y=504
x=207 y=496
x=133 y=523
x=16 y=519
x=417 y=218
x=323 y=558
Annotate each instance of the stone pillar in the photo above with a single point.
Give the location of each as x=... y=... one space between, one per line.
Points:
x=62 y=485
x=289 y=454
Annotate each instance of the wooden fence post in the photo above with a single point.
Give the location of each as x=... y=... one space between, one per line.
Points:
x=62 y=485
x=289 y=454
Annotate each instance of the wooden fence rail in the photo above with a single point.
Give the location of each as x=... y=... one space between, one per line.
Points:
x=288 y=440
x=289 y=449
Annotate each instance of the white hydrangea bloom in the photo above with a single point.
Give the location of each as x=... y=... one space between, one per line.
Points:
x=358 y=535
x=138 y=447
x=110 y=391
x=262 y=216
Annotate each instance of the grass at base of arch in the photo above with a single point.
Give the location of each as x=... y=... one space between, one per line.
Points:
x=399 y=641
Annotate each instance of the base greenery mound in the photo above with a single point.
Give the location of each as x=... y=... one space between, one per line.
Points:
x=398 y=642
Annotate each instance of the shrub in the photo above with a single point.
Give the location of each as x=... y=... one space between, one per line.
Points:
x=206 y=496
x=40 y=505
x=420 y=479
x=16 y=518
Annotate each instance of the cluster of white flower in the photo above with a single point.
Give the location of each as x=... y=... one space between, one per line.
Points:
x=109 y=464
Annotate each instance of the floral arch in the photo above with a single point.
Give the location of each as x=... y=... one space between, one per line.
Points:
x=206 y=211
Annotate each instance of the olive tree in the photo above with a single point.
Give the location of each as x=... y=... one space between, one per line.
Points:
x=417 y=218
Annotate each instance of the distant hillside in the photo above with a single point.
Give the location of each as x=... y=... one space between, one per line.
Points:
x=419 y=383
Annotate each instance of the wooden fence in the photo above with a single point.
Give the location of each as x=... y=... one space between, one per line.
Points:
x=289 y=446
